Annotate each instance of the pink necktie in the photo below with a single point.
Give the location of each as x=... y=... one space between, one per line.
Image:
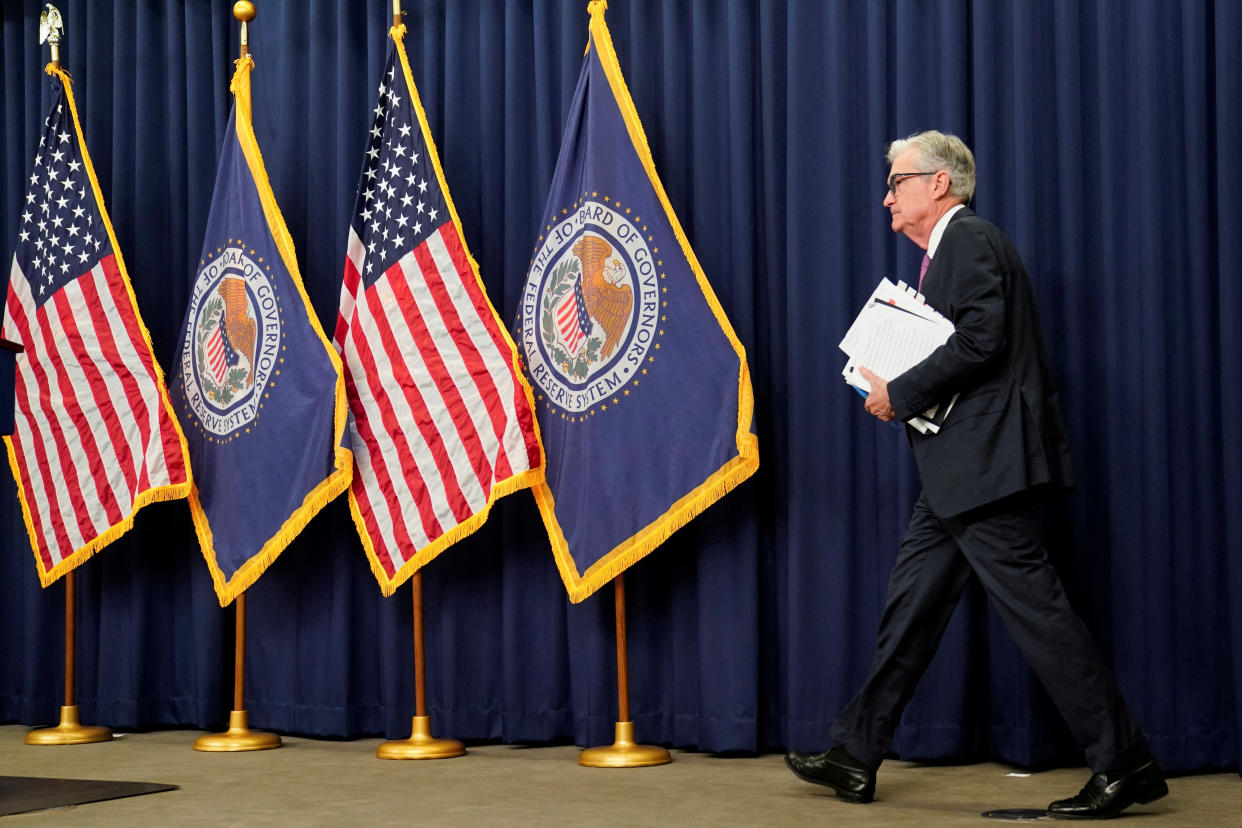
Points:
x=923 y=270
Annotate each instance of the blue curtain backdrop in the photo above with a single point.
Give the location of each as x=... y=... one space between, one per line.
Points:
x=1107 y=140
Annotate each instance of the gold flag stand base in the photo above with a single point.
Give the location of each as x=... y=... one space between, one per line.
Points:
x=69 y=731
x=623 y=753
x=421 y=744
x=238 y=737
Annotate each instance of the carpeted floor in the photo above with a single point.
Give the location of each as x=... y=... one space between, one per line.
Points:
x=321 y=783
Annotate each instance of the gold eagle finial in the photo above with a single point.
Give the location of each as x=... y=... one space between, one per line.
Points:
x=50 y=26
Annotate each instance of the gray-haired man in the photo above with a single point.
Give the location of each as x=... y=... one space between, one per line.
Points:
x=1002 y=445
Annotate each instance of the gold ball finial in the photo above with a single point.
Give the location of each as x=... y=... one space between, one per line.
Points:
x=244 y=11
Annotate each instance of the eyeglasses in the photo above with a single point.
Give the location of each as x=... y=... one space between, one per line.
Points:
x=897 y=178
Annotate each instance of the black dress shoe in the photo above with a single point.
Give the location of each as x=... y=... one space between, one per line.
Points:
x=851 y=779
x=1108 y=794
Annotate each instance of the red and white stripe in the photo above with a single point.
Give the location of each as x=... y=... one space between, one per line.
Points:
x=215 y=354
x=439 y=417
x=567 y=322
x=91 y=431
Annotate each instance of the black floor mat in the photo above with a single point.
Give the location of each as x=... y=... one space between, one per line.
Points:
x=19 y=794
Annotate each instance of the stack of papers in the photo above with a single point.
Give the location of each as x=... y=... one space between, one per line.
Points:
x=896 y=330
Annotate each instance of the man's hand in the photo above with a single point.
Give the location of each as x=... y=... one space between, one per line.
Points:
x=877 y=403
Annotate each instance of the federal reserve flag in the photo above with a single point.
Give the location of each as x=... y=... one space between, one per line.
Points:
x=642 y=391
x=442 y=418
x=95 y=436
x=259 y=388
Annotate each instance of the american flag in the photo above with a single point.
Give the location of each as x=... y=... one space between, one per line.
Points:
x=442 y=422
x=572 y=320
x=220 y=352
x=95 y=436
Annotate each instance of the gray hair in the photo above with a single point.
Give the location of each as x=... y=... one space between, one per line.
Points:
x=938 y=151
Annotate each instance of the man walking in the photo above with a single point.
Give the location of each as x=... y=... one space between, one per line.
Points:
x=1001 y=446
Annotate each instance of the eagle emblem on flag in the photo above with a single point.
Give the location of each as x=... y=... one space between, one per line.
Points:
x=585 y=278
x=232 y=355
x=604 y=291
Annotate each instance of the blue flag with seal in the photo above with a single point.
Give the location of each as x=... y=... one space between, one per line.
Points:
x=642 y=391
x=259 y=391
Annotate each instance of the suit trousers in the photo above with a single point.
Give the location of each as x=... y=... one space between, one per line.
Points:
x=1001 y=543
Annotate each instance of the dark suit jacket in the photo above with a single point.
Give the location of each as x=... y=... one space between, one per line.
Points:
x=1005 y=433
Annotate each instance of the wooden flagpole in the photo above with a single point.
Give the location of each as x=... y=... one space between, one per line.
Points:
x=623 y=752
x=239 y=736
x=421 y=744
x=70 y=731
